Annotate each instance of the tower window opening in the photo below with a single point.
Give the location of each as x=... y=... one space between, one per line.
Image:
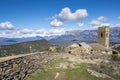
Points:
x=101 y=35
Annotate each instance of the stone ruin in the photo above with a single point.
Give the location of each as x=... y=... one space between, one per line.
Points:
x=21 y=66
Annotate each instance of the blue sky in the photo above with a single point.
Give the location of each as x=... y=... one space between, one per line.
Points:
x=53 y=17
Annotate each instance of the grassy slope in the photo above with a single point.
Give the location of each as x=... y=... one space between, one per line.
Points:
x=49 y=71
x=24 y=47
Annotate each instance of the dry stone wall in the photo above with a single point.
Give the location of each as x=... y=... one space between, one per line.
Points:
x=22 y=66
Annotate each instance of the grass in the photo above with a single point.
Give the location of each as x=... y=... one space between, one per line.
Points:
x=24 y=47
x=49 y=71
x=111 y=69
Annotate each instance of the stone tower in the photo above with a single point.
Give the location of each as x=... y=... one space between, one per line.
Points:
x=103 y=36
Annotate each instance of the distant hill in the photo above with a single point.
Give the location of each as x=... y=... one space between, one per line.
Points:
x=8 y=41
x=89 y=35
x=24 y=47
x=86 y=36
x=60 y=42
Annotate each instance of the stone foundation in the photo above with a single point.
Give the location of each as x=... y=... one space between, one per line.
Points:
x=20 y=67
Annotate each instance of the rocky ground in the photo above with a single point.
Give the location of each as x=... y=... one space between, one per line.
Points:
x=72 y=67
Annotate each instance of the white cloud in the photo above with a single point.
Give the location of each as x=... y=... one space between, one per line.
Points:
x=56 y=32
x=102 y=24
x=115 y=25
x=31 y=33
x=101 y=18
x=67 y=15
x=6 y=25
x=95 y=22
x=105 y=24
x=100 y=21
x=56 y=23
x=80 y=24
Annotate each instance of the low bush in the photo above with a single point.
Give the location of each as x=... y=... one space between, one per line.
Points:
x=115 y=57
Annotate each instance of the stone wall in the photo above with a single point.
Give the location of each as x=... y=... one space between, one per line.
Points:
x=20 y=67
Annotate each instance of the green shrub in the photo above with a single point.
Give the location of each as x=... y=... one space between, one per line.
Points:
x=114 y=56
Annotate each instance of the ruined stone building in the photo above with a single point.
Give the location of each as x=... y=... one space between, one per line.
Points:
x=103 y=36
x=101 y=47
x=86 y=48
x=78 y=48
x=103 y=41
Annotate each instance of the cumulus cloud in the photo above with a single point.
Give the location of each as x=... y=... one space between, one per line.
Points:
x=67 y=15
x=80 y=24
x=100 y=21
x=56 y=32
x=6 y=25
x=105 y=24
x=31 y=33
x=101 y=18
x=56 y=23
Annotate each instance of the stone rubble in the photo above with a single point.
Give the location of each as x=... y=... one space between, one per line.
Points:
x=19 y=67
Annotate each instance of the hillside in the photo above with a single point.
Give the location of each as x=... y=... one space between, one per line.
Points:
x=24 y=47
x=60 y=42
x=116 y=46
x=8 y=41
x=71 y=67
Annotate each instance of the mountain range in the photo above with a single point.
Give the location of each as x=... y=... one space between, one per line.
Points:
x=69 y=36
x=89 y=36
x=8 y=41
